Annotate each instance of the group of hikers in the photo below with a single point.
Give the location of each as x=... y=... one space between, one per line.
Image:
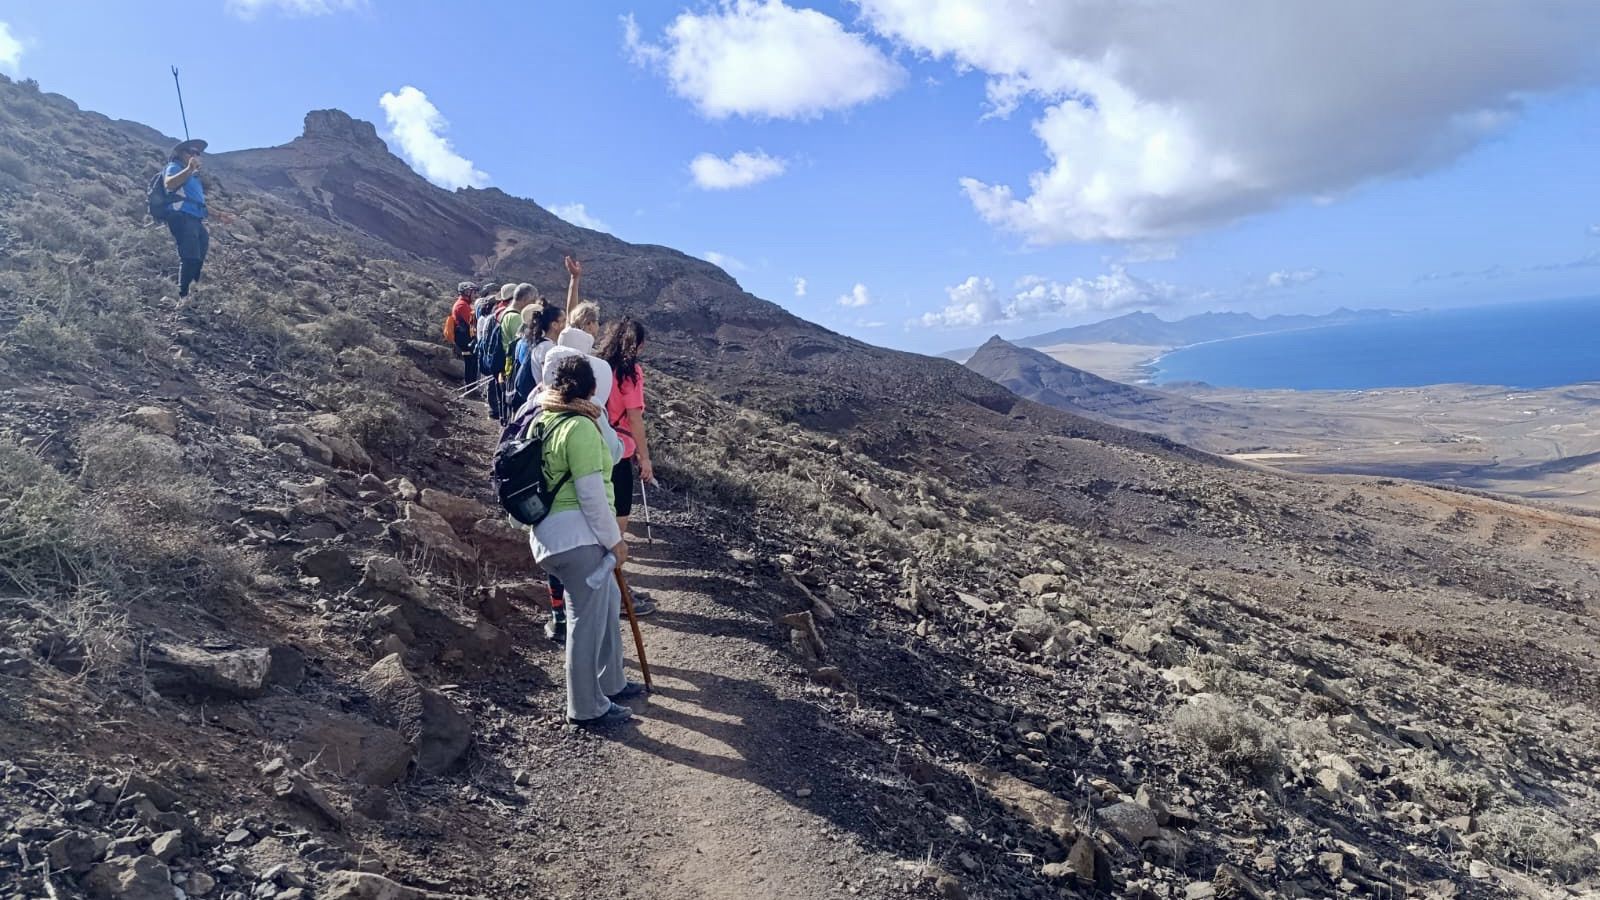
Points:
x=557 y=380
x=550 y=373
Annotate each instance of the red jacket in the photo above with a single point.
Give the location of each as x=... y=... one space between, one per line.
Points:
x=462 y=311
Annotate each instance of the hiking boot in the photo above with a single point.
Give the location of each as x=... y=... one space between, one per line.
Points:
x=616 y=715
x=630 y=691
x=642 y=606
x=556 y=630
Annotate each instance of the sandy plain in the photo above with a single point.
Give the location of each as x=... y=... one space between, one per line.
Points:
x=1535 y=444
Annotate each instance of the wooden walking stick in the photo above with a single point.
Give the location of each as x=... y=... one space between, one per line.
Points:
x=633 y=620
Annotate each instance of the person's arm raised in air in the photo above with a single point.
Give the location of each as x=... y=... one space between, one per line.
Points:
x=574 y=272
x=173 y=182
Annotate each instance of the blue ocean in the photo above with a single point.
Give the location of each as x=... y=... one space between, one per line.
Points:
x=1525 y=345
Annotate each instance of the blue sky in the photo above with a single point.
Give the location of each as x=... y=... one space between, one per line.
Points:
x=941 y=170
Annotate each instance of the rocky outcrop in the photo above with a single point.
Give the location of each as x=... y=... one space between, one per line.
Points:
x=437 y=731
x=423 y=531
x=202 y=674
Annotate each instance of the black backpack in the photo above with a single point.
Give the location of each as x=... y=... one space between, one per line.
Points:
x=519 y=468
x=491 y=348
x=160 y=200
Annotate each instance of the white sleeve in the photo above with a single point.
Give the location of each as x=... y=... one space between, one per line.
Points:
x=597 y=510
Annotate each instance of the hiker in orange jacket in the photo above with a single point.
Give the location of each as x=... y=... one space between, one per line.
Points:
x=463 y=332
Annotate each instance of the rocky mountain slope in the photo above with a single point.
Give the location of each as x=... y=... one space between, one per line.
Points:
x=262 y=636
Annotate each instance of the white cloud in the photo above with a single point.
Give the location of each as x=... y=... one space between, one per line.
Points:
x=10 y=49
x=713 y=173
x=419 y=128
x=799 y=287
x=765 y=59
x=1594 y=230
x=977 y=302
x=869 y=323
x=724 y=261
x=1156 y=251
x=1290 y=278
x=579 y=215
x=1158 y=120
x=857 y=298
x=249 y=9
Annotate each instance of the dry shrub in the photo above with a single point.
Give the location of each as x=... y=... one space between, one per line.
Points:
x=1229 y=734
x=1446 y=787
x=13 y=165
x=40 y=338
x=1530 y=838
x=342 y=331
x=371 y=415
x=48 y=551
x=143 y=471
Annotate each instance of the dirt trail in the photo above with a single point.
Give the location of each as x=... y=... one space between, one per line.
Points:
x=729 y=785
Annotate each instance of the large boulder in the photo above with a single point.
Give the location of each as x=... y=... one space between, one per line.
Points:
x=302 y=437
x=437 y=358
x=424 y=531
x=387 y=576
x=461 y=512
x=130 y=878
x=202 y=674
x=438 y=731
x=502 y=544
x=347 y=451
x=353 y=748
x=1041 y=583
x=154 y=418
x=1034 y=805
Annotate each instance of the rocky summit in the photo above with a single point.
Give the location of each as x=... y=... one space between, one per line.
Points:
x=264 y=634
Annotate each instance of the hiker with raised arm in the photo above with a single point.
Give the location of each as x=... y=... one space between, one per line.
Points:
x=582 y=325
x=179 y=199
x=620 y=348
x=583 y=316
x=460 y=331
x=573 y=541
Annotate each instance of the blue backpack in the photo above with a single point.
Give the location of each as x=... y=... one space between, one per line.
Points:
x=162 y=202
x=491 y=347
x=524 y=380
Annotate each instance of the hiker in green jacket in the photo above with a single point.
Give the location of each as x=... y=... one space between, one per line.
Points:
x=574 y=540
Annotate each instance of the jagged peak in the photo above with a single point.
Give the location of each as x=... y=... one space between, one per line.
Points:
x=338 y=125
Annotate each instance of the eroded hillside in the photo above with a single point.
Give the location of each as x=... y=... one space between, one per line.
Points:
x=260 y=633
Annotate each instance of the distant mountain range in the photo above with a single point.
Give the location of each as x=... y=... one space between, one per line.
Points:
x=1149 y=329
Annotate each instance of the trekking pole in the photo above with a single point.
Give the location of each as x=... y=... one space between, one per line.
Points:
x=644 y=498
x=181 y=110
x=463 y=391
x=633 y=621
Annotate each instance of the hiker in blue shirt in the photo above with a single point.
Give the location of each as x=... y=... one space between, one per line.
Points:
x=187 y=221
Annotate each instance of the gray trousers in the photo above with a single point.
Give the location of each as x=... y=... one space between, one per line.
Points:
x=594 y=636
